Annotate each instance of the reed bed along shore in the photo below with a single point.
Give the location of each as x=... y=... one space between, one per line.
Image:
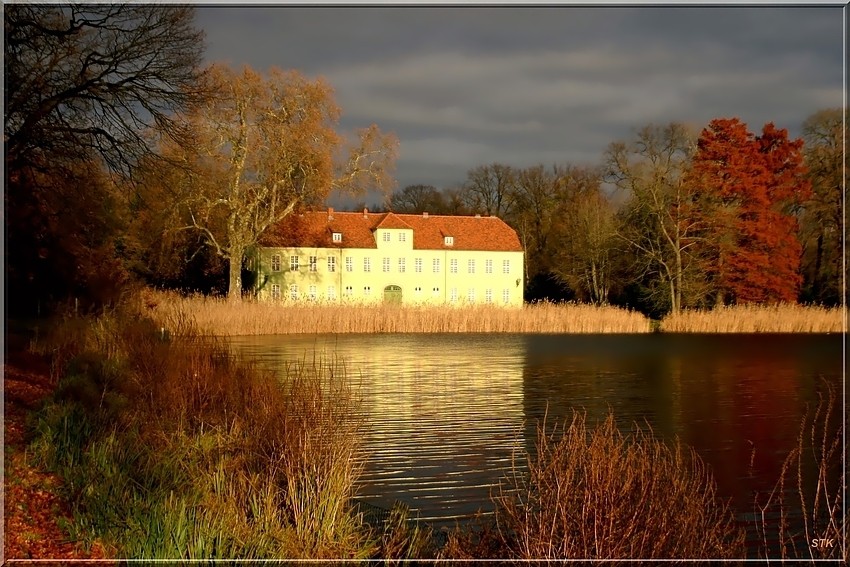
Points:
x=782 y=318
x=222 y=317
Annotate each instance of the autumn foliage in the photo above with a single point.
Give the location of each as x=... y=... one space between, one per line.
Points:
x=748 y=187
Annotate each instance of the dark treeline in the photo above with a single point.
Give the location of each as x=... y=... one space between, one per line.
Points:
x=128 y=161
x=671 y=219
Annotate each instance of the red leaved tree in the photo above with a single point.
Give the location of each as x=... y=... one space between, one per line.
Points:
x=749 y=188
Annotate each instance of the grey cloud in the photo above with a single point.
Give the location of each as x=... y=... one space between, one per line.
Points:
x=461 y=86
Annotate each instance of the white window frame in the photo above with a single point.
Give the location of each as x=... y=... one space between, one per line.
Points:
x=349 y=290
x=453 y=266
x=436 y=265
x=402 y=265
x=275 y=262
x=453 y=295
x=276 y=292
x=332 y=293
x=488 y=266
x=506 y=295
x=312 y=293
x=314 y=263
x=506 y=266
x=293 y=292
x=470 y=265
x=349 y=263
x=367 y=264
x=367 y=290
x=294 y=263
x=402 y=236
x=386 y=265
x=435 y=292
x=417 y=291
x=470 y=295
x=417 y=265
x=488 y=295
x=331 y=263
x=449 y=240
x=387 y=235
x=336 y=237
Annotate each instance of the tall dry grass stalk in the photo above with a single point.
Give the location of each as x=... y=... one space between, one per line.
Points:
x=596 y=493
x=175 y=449
x=782 y=318
x=222 y=317
x=806 y=517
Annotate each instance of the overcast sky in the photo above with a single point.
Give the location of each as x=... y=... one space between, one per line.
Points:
x=467 y=86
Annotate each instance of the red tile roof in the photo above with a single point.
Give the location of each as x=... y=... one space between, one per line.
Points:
x=315 y=229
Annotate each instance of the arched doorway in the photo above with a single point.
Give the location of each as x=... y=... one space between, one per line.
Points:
x=392 y=294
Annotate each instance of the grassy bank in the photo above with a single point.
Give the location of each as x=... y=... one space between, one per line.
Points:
x=784 y=318
x=174 y=449
x=222 y=317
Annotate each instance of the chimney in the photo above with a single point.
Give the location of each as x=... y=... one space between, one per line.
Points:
x=365 y=212
x=330 y=213
x=424 y=215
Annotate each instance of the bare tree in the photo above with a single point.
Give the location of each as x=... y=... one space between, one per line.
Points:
x=82 y=78
x=264 y=147
x=659 y=221
x=417 y=199
x=586 y=235
x=490 y=189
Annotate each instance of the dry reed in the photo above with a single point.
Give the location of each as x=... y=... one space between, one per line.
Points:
x=596 y=493
x=222 y=317
x=806 y=517
x=781 y=318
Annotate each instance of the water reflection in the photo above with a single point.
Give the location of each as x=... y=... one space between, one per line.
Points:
x=447 y=411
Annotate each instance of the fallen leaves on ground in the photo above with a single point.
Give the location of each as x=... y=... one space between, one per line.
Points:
x=33 y=507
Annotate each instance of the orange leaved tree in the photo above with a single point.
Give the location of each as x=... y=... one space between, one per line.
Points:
x=749 y=188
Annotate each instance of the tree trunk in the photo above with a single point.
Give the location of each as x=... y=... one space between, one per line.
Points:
x=234 y=290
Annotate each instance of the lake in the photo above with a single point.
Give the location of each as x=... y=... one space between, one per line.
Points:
x=446 y=412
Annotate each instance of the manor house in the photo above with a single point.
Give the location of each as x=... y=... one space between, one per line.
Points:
x=333 y=257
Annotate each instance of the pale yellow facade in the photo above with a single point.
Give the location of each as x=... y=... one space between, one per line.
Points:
x=393 y=272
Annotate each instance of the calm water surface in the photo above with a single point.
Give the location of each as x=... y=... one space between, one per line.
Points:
x=447 y=412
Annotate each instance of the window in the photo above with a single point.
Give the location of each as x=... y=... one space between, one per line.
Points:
x=488 y=296
x=331 y=293
x=470 y=295
x=453 y=265
x=275 y=262
x=314 y=263
x=293 y=291
x=506 y=295
x=435 y=292
x=349 y=291
x=488 y=266
x=386 y=235
x=449 y=240
x=293 y=263
x=337 y=237
x=386 y=264
x=471 y=266
x=402 y=236
x=275 y=291
x=311 y=293
x=349 y=264
x=331 y=264
x=417 y=265
x=367 y=264
x=367 y=291
x=453 y=295
x=417 y=291
x=436 y=265
x=401 y=265
x=506 y=266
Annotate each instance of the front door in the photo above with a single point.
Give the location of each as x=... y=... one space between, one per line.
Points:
x=392 y=294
